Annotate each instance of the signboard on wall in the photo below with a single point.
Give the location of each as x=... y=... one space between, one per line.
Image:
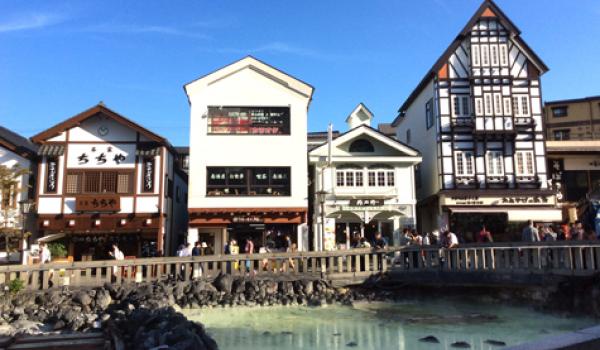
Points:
x=148 y=175
x=329 y=236
x=51 y=175
x=367 y=202
x=510 y=200
x=98 y=203
x=118 y=155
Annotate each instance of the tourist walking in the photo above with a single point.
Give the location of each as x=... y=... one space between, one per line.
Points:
x=530 y=233
x=196 y=250
x=45 y=254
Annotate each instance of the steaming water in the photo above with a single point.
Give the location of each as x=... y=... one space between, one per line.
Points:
x=380 y=325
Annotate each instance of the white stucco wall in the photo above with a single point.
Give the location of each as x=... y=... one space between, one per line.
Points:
x=10 y=159
x=247 y=87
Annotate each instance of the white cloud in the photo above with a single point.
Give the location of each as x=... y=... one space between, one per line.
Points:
x=29 y=21
x=143 y=29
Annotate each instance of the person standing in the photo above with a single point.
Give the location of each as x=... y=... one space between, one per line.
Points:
x=379 y=243
x=45 y=254
x=196 y=250
x=249 y=249
x=116 y=254
x=449 y=240
x=485 y=236
x=530 y=233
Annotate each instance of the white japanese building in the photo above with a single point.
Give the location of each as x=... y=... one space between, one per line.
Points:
x=362 y=183
x=247 y=165
x=104 y=179
x=476 y=117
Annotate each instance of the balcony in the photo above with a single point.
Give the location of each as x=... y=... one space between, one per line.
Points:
x=468 y=122
x=527 y=181
x=466 y=181
x=524 y=122
x=496 y=182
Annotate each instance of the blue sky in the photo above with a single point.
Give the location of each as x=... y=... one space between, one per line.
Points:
x=58 y=58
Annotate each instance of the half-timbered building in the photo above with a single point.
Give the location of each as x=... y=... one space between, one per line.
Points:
x=477 y=118
x=104 y=179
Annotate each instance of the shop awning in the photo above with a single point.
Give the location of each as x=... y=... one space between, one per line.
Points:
x=50 y=238
x=517 y=214
x=51 y=150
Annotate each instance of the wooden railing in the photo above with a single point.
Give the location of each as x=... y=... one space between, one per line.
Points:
x=566 y=258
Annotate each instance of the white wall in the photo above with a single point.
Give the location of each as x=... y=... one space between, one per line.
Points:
x=423 y=140
x=10 y=159
x=247 y=88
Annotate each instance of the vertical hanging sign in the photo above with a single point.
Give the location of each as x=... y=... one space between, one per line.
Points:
x=51 y=175
x=148 y=175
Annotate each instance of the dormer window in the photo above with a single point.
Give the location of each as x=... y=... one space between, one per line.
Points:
x=361 y=146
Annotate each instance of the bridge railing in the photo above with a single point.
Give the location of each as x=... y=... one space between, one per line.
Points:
x=566 y=258
x=562 y=258
x=361 y=262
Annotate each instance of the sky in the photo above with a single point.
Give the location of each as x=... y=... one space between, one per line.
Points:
x=58 y=58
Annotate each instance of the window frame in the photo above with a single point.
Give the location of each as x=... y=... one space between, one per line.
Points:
x=566 y=132
x=248 y=185
x=429 y=118
x=524 y=157
x=494 y=163
x=561 y=115
x=103 y=175
x=467 y=159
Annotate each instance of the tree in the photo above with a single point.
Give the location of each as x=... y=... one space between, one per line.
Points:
x=10 y=185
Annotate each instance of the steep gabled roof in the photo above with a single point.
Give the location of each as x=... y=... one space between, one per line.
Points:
x=249 y=62
x=487 y=9
x=376 y=134
x=89 y=113
x=17 y=143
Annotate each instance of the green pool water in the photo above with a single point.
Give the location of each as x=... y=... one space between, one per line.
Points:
x=380 y=325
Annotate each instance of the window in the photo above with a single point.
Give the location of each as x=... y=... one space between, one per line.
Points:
x=339 y=178
x=525 y=105
x=92 y=182
x=407 y=135
x=503 y=55
x=371 y=178
x=494 y=54
x=521 y=106
x=350 y=178
x=359 y=179
x=507 y=106
x=495 y=162
x=361 y=145
x=390 y=179
x=485 y=54
x=460 y=106
x=464 y=163
x=497 y=104
x=249 y=120
x=429 y=113
x=562 y=135
x=248 y=181
x=381 y=178
x=478 y=106
x=73 y=183
x=418 y=181
x=524 y=162
x=560 y=112
x=488 y=104
x=475 y=55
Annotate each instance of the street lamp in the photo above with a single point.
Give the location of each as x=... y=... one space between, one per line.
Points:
x=26 y=207
x=321 y=197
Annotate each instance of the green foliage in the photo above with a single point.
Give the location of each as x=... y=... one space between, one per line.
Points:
x=16 y=285
x=57 y=250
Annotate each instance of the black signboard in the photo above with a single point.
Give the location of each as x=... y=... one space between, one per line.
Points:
x=51 y=175
x=148 y=175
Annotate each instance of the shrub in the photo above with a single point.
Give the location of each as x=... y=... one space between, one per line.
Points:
x=58 y=250
x=16 y=285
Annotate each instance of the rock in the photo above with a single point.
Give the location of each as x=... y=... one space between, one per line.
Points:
x=103 y=299
x=307 y=287
x=461 y=345
x=352 y=344
x=27 y=327
x=19 y=310
x=429 y=339
x=82 y=298
x=58 y=325
x=7 y=330
x=224 y=283
x=495 y=342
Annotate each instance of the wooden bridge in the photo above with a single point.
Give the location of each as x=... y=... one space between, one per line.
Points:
x=426 y=264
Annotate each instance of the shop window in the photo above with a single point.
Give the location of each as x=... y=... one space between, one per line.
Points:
x=248 y=181
x=249 y=120
x=524 y=160
x=576 y=185
x=464 y=163
x=560 y=112
x=495 y=161
x=361 y=145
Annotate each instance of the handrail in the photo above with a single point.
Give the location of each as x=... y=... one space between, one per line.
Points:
x=561 y=257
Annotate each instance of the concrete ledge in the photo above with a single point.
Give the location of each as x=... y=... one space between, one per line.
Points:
x=584 y=339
